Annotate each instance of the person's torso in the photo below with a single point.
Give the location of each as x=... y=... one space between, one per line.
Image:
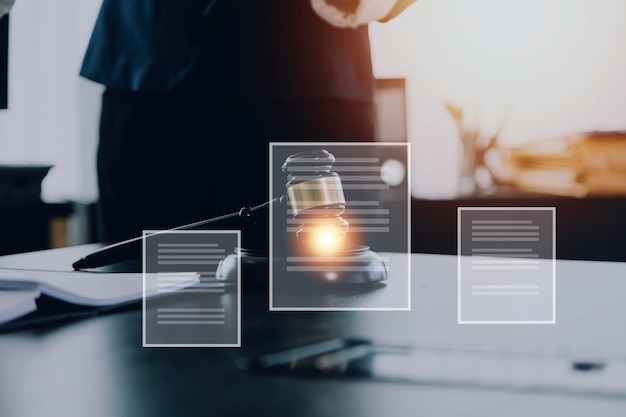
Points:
x=243 y=49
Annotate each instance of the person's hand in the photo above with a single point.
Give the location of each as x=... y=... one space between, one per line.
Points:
x=352 y=13
x=346 y=6
x=5 y=6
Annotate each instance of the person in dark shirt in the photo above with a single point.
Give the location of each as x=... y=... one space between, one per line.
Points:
x=195 y=91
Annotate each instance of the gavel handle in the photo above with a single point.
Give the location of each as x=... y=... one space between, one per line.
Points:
x=128 y=249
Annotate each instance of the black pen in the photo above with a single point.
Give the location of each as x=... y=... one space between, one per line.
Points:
x=290 y=357
x=430 y=365
x=330 y=357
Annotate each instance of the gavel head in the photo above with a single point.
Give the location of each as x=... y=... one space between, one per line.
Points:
x=316 y=200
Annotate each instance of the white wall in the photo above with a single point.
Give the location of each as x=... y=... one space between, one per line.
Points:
x=52 y=115
x=549 y=67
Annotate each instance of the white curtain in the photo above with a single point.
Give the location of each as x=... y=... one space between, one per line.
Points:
x=53 y=113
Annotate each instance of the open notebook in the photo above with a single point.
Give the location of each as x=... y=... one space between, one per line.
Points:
x=21 y=288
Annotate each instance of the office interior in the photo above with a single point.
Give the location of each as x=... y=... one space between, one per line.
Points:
x=523 y=72
x=529 y=72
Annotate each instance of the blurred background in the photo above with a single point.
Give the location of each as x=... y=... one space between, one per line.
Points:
x=502 y=102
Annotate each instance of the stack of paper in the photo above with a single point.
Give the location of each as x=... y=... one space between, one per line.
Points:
x=17 y=303
x=19 y=288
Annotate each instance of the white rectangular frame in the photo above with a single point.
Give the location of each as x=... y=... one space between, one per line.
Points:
x=271 y=212
x=553 y=321
x=143 y=298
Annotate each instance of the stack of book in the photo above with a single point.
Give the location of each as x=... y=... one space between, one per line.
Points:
x=581 y=165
